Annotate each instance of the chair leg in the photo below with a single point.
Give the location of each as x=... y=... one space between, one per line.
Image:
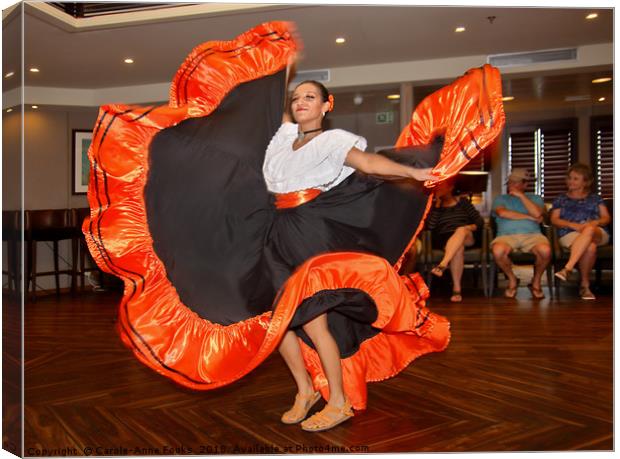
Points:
x=82 y=264
x=475 y=276
x=483 y=269
x=15 y=266
x=56 y=275
x=429 y=277
x=28 y=263
x=492 y=275
x=33 y=270
x=550 y=277
x=556 y=284
x=26 y=269
x=10 y=274
x=74 y=267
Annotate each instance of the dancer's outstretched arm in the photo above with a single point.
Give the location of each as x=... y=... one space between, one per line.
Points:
x=374 y=164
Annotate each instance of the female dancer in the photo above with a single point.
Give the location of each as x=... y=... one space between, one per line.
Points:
x=303 y=156
x=216 y=275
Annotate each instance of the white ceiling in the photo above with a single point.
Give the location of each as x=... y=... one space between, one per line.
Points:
x=70 y=57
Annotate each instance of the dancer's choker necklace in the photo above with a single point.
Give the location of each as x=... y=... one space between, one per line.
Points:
x=303 y=134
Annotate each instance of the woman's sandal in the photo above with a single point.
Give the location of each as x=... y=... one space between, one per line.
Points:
x=537 y=293
x=563 y=274
x=456 y=297
x=438 y=270
x=299 y=411
x=328 y=417
x=511 y=292
x=586 y=294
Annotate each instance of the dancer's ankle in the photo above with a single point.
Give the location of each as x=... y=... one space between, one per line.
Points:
x=306 y=389
x=337 y=400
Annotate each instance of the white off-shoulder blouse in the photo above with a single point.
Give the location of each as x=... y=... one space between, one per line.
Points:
x=317 y=164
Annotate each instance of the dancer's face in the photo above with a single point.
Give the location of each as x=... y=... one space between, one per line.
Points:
x=307 y=105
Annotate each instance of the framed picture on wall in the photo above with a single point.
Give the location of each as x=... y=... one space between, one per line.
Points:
x=81 y=165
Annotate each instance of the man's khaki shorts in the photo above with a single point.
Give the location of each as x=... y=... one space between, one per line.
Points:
x=567 y=240
x=522 y=242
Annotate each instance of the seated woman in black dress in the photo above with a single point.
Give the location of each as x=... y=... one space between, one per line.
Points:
x=452 y=222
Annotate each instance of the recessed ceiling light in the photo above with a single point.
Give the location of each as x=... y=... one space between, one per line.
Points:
x=507 y=98
x=129 y=60
x=601 y=80
x=460 y=29
x=35 y=106
x=601 y=99
x=340 y=40
x=34 y=70
x=394 y=96
x=592 y=16
x=9 y=110
x=9 y=75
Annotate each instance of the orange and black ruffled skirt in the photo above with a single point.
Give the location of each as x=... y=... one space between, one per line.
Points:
x=215 y=274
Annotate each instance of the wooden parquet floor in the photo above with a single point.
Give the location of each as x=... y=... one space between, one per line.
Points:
x=517 y=376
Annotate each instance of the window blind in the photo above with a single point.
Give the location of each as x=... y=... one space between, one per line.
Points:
x=556 y=154
x=546 y=152
x=603 y=156
x=522 y=154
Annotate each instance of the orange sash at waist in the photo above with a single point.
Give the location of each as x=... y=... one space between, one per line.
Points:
x=296 y=198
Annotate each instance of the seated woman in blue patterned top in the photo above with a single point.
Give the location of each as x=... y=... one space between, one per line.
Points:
x=581 y=217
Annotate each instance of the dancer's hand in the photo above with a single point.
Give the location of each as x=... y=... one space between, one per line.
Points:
x=423 y=174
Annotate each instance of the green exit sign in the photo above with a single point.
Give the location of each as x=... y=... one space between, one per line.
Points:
x=384 y=117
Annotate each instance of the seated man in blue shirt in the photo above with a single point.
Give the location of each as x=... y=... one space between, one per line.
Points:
x=518 y=216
